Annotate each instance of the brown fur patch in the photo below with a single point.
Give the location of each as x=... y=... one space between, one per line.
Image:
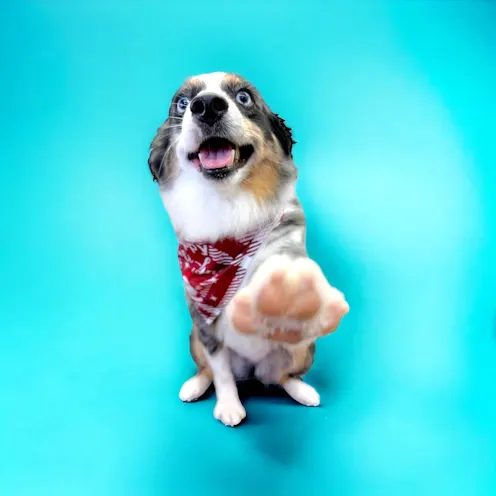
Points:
x=198 y=353
x=192 y=84
x=263 y=180
x=264 y=177
x=302 y=361
x=233 y=78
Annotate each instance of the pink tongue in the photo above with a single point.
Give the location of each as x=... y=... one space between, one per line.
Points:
x=215 y=159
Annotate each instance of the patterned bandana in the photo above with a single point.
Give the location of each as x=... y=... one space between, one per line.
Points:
x=213 y=272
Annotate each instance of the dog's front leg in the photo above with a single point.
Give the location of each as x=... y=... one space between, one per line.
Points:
x=228 y=408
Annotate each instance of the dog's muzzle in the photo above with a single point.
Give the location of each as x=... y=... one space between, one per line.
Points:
x=209 y=108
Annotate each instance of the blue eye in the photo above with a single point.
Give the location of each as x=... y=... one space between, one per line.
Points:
x=182 y=104
x=243 y=97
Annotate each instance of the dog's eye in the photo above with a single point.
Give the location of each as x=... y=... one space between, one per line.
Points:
x=243 y=97
x=182 y=104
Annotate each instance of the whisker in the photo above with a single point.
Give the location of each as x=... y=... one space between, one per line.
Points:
x=169 y=134
x=170 y=129
x=166 y=153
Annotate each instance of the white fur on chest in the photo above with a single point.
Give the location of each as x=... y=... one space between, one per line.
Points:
x=203 y=211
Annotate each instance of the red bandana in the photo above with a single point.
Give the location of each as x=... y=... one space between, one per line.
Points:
x=213 y=272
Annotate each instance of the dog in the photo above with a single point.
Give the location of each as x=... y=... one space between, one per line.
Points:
x=224 y=165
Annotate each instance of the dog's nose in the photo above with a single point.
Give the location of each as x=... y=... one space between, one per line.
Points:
x=209 y=108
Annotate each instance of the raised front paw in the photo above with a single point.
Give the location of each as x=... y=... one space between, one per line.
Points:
x=289 y=301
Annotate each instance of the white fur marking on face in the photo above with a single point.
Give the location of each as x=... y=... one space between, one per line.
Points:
x=212 y=81
x=190 y=137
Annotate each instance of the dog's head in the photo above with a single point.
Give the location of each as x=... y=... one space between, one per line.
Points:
x=220 y=126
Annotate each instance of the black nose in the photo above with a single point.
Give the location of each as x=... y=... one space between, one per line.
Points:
x=209 y=108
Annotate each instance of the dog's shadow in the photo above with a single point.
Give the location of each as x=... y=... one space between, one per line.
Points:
x=277 y=426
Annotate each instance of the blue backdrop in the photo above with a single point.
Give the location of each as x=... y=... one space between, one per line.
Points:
x=393 y=105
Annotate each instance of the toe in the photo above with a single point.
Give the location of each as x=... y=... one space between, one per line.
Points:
x=277 y=276
x=306 y=302
x=284 y=288
x=242 y=315
x=333 y=312
x=290 y=336
x=272 y=299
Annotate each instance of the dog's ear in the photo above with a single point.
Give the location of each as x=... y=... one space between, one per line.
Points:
x=158 y=149
x=283 y=133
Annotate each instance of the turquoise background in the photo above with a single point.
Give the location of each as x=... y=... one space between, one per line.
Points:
x=394 y=108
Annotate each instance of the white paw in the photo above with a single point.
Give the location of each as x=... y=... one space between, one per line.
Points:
x=289 y=296
x=230 y=413
x=301 y=392
x=195 y=387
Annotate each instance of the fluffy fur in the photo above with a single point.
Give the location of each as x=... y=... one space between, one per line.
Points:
x=284 y=291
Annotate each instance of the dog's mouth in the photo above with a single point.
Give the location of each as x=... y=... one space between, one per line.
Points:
x=218 y=157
